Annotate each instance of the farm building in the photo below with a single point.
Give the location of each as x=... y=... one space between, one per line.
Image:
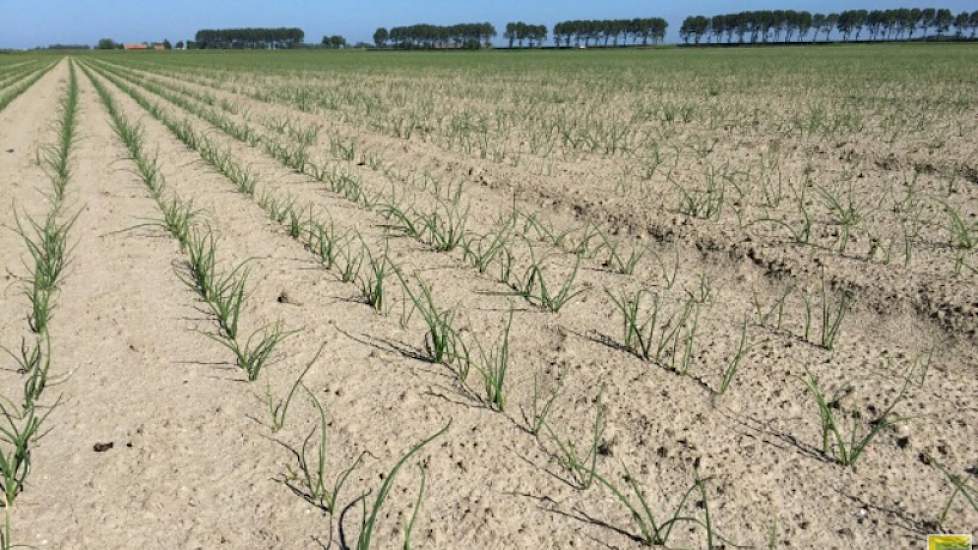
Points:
x=136 y=47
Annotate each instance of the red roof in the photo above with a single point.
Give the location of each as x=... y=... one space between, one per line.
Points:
x=136 y=47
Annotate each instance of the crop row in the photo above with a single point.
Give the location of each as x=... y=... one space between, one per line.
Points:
x=47 y=243
x=20 y=83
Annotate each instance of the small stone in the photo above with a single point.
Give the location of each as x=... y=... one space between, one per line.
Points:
x=902 y=429
x=102 y=447
x=285 y=298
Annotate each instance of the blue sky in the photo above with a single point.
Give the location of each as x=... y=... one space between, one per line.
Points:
x=25 y=24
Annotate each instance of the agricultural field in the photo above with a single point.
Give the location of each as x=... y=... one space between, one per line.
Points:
x=717 y=298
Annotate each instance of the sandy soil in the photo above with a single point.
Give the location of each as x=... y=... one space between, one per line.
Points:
x=194 y=465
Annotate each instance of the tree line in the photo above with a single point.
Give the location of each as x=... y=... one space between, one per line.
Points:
x=746 y=26
x=333 y=42
x=520 y=32
x=603 y=31
x=788 y=25
x=66 y=47
x=249 y=38
x=463 y=35
x=110 y=44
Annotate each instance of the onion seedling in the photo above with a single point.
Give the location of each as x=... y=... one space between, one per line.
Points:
x=312 y=475
x=278 y=410
x=846 y=451
x=253 y=356
x=734 y=364
x=961 y=487
x=538 y=413
x=441 y=340
x=372 y=286
x=832 y=316
x=493 y=366
x=369 y=522
x=534 y=289
x=582 y=468
x=651 y=532
x=16 y=436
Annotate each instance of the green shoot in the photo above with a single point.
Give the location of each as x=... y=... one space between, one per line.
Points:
x=369 y=523
x=253 y=356
x=534 y=288
x=832 y=316
x=651 y=532
x=324 y=242
x=441 y=340
x=619 y=263
x=483 y=250
x=582 y=468
x=350 y=263
x=279 y=409
x=47 y=244
x=845 y=215
x=969 y=493
x=417 y=508
x=846 y=451
x=372 y=286
x=16 y=437
x=312 y=475
x=734 y=365
x=650 y=334
x=493 y=366
x=539 y=412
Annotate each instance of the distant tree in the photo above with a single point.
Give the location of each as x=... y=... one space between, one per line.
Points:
x=167 y=45
x=539 y=34
x=818 y=21
x=942 y=21
x=522 y=32
x=830 y=22
x=510 y=33
x=380 y=37
x=961 y=22
x=786 y=25
x=180 y=45
x=926 y=19
x=334 y=42
x=464 y=35
x=694 y=27
x=249 y=38
x=805 y=24
x=106 y=44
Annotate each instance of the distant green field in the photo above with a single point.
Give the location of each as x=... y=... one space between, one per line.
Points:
x=836 y=76
x=883 y=58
